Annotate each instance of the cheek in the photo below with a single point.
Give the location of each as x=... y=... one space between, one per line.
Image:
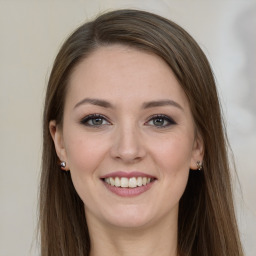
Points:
x=84 y=153
x=175 y=160
x=172 y=160
x=174 y=154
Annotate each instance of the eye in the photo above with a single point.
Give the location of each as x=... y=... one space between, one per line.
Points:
x=95 y=120
x=160 y=121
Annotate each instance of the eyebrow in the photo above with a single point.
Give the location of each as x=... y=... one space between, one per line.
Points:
x=161 y=103
x=97 y=102
x=145 y=105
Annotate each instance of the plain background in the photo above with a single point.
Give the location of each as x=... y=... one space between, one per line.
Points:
x=31 y=34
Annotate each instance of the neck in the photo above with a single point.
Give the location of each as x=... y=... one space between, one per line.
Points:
x=161 y=239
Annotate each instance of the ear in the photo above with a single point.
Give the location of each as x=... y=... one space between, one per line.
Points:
x=197 y=152
x=57 y=136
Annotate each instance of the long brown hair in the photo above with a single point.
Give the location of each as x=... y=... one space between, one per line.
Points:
x=207 y=224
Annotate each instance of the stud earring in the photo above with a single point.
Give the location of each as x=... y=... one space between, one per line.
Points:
x=199 y=165
x=62 y=164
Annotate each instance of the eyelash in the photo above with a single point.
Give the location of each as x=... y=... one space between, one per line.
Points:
x=165 y=118
x=85 y=121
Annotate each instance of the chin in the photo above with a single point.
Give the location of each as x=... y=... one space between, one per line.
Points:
x=130 y=217
x=130 y=223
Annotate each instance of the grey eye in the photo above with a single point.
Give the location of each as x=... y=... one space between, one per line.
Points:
x=159 y=121
x=94 y=120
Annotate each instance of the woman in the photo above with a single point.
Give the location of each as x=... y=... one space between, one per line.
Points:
x=135 y=154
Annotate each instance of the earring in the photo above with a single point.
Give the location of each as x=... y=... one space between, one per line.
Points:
x=199 y=165
x=62 y=164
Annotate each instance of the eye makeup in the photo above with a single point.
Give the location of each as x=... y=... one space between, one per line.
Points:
x=160 y=121
x=99 y=120
x=95 y=120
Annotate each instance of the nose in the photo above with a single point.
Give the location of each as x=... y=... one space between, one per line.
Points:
x=128 y=145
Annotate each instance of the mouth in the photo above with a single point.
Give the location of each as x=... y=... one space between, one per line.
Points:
x=128 y=184
x=124 y=182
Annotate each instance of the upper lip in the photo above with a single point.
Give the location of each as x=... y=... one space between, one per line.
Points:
x=121 y=174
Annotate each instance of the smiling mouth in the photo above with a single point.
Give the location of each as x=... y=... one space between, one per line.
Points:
x=124 y=182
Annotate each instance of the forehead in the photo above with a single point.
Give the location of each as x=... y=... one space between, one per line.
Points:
x=121 y=73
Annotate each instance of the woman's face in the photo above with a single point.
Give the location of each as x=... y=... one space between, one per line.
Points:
x=128 y=137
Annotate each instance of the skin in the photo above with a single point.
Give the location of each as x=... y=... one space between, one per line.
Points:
x=129 y=138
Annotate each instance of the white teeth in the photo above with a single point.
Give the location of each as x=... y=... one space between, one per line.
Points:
x=112 y=181
x=132 y=182
x=125 y=182
x=117 y=182
x=139 y=181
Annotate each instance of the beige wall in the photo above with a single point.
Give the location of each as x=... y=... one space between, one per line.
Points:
x=31 y=34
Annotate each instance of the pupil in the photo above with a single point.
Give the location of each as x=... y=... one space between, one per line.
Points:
x=97 y=121
x=159 y=121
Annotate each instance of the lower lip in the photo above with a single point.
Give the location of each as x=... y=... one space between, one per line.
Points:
x=128 y=192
